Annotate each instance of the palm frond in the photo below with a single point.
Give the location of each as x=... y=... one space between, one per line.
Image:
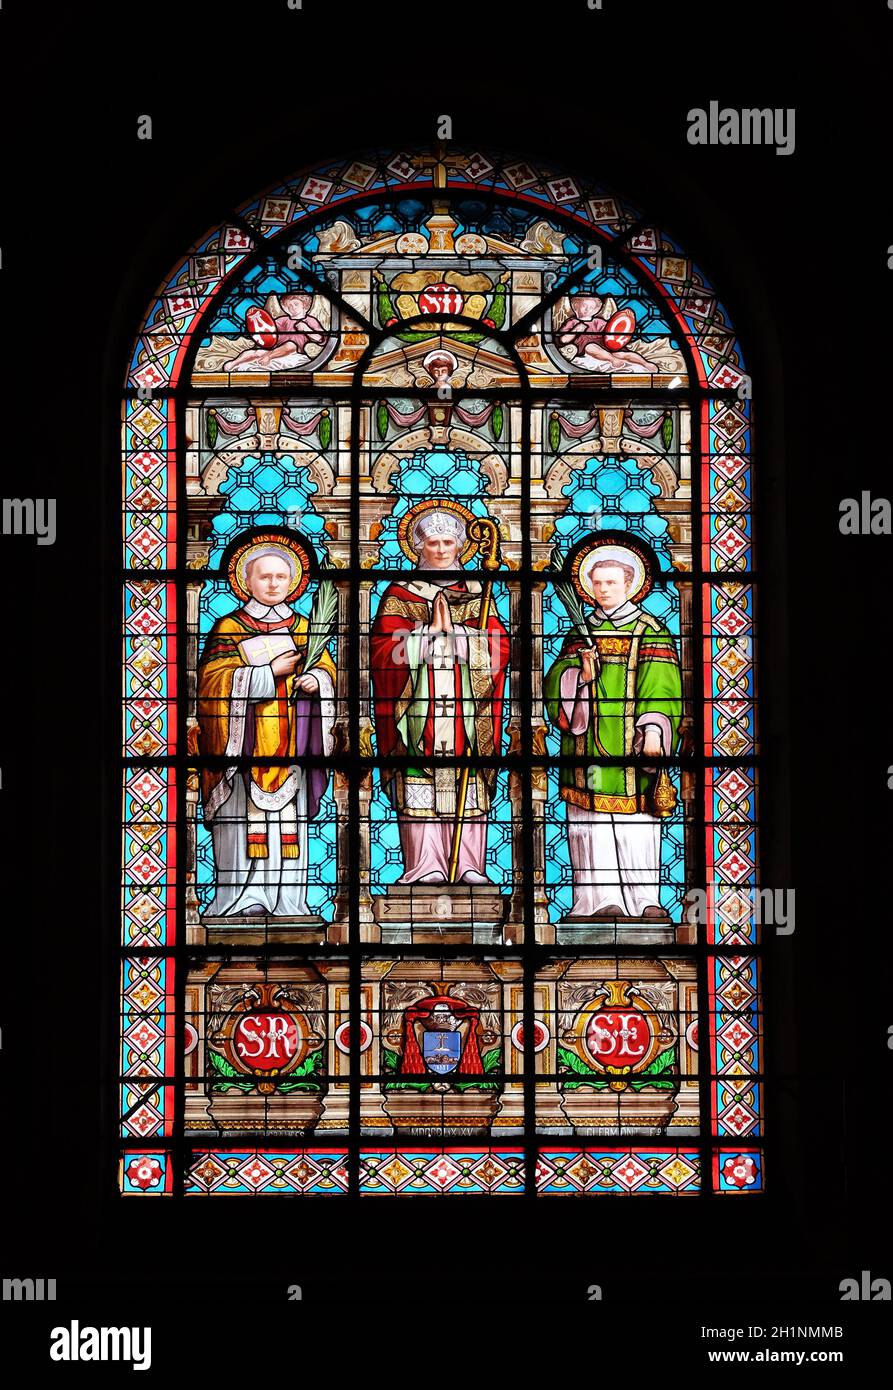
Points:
x=567 y=594
x=321 y=625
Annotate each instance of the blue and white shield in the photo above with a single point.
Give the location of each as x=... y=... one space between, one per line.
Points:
x=441 y=1051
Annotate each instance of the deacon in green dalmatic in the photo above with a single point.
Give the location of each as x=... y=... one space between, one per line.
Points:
x=614 y=692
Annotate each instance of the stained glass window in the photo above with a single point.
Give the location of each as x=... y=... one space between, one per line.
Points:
x=439 y=784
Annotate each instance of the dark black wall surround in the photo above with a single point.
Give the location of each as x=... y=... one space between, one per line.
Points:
x=796 y=245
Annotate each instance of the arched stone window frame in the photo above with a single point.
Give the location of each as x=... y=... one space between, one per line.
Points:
x=159 y=416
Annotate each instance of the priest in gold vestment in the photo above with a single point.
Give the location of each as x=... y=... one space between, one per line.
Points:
x=255 y=701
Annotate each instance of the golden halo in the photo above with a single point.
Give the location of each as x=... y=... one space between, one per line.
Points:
x=266 y=541
x=608 y=548
x=433 y=504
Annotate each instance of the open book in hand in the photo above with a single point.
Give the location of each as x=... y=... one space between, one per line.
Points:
x=260 y=651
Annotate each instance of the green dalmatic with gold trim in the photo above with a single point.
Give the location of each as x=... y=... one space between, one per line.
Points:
x=637 y=676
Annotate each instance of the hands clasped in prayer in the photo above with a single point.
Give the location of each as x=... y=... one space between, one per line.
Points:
x=440 y=614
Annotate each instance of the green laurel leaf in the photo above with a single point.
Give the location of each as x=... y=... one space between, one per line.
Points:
x=221 y=1065
x=313 y=1062
x=645 y=1079
x=385 y=308
x=570 y=1061
x=421 y=336
x=497 y=307
x=325 y=431
x=663 y=1062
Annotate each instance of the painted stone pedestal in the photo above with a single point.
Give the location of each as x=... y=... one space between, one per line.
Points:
x=615 y=931
x=441 y=1112
x=597 y=1112
x=256 y=930
x=436 y=912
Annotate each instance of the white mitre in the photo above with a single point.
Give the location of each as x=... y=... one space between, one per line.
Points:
x=434 y=524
